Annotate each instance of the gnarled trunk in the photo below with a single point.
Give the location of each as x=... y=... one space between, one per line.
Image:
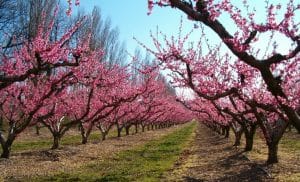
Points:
x=6 y=148
x=5 y=151
x=84 y=139
x=272 y=153
x=37 y=129
x=119 y=130
x=127 y=129
x=249 y=136
x=136 y=128
x=238 y=136
x=227 y=129
x=103 y=134
x=293 y=116
x=56 y=141
x=84 y=134
x=6 y=145
x=273 y=132
x=222 y=130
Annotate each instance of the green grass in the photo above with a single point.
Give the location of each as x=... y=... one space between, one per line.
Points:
x=46 y=143
x=290 y=143
x=144 y=163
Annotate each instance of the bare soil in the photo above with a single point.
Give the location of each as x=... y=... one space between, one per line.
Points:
x=288 y=168
x=211 y=157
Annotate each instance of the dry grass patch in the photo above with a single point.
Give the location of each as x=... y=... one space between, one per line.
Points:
x=288 y=168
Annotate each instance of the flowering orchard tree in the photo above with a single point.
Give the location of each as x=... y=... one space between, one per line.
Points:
x=153 y=107
x=41 y=55
x=127 y=103
x=21 y=102
x=59 y=120
x=92 y=97
x=280 y=18
x=61 y=83
x=233 y=88
x=34 y=76
x=109 y=99
x=70 y=2
x=209 y=113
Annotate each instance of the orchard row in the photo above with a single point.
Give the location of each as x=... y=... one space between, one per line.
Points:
x=63 y=83
x=249 y=77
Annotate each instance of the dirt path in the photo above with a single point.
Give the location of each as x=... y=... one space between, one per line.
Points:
x=213 y=158
x=68 y=158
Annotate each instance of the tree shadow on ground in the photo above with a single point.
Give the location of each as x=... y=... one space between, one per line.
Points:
x=218 y=160
x=254 y=173
x=190 y=179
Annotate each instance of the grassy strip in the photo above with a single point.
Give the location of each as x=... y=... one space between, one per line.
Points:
x=46 y=143
x=144 y=163
x=39 y=144
x=290 y=143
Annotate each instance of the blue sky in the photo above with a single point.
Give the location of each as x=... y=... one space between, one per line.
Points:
x=132 y=19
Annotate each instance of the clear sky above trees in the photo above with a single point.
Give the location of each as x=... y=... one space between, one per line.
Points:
x=132 y=19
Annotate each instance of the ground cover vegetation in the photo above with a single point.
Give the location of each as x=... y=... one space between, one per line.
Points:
x=68 y=74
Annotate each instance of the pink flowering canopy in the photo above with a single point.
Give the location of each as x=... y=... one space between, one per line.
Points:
x=256 y=67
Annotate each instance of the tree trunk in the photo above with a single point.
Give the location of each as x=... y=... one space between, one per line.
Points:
x=6 y=146
x=143 y=128
x=103 y=134
x=289 y=128
x=238 y=136
x=136 y=128
x=293 y=116
x=127 y=130
x=84 y=139
x=272 y=153
x=273 y=139
x=227 y=129
x=218 y=130
x=222 y=130
x=249 y=136
x=37 y=129
x=56 y=139
x=5 y=151
x=84 y=135
x=1 y=124
x=119 y=131
x=249 y=143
